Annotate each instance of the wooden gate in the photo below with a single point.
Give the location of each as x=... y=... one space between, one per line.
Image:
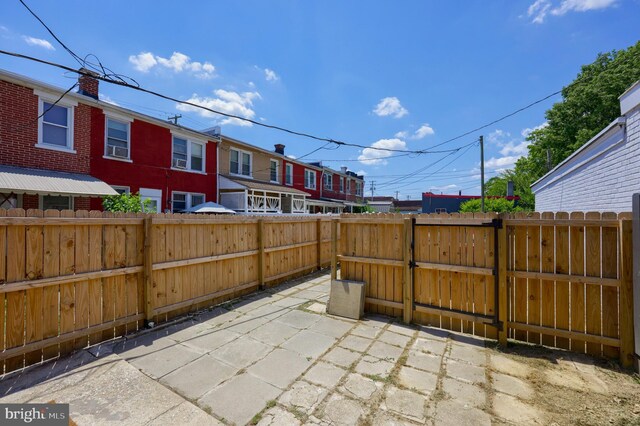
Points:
x=456 y=273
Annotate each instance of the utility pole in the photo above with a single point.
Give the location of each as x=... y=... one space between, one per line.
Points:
x=397 y=192
x=373 y=187
x=174 y=118
x=482 y=173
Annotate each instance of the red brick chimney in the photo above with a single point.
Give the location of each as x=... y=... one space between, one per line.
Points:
x=279 y=148
x=88 y=83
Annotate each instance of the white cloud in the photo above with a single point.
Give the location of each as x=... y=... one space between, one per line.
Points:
x=251 y=84
x=107 y=99
x=527 y=131
x=501 y=163
x=423 y=131
x=293 y=157
x=540 y=8
x=270 y=75
x=390 y=106
x=519 y=149
x=443 y=188
x=402 y=134
x=143 y=61
x=371 y=156
x=229 y=102
x=178 y=62
x=38 y=42
x=361 y=173
x=498 y=136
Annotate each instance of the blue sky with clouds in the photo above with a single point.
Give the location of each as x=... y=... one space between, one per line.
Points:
x=400 y=75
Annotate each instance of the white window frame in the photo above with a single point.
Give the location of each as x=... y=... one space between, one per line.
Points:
x=188 y=196
x=41 y=200
x=348 y=183
x=126 y=189
x=271 y=161
x=70 y=105
x=328 y=181
x=124 y=120
x=342 y=184
x=190 y=142
x=359 y=188
x=308 y=172
x=288 y=172
x=240 y=153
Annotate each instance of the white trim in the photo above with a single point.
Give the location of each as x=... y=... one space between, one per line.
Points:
x=106 y=138
x=187 y=198
x=188 y=165
x=287 y=166
x=315 y=179
x=153 y=195
x=124 y=160
x=127 y=189
x=41 y=200
x=118 y=117
x=52 y=97
x=273 y=160
x=240 y=151
x=618 y=121
x=70 y=125
x=56 y=148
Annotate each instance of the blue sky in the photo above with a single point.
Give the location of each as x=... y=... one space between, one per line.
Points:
x=402 y=75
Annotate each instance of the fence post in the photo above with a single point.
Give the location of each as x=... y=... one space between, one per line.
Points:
x=148 y=268
x=319 y=237
x=261 y=253
x=334 y=249
x=407 y=277
x=627 y=349
x=502 y=281
x=636 y=279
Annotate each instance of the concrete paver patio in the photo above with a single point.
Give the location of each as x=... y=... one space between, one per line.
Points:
x=275 y=358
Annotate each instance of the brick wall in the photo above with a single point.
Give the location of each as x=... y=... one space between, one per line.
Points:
x=19 y=133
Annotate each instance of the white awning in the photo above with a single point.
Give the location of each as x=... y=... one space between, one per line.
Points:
x=21 y=180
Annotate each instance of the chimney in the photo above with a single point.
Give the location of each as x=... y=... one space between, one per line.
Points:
x=460 y=193
x=343 y=169
x=88 y=83
x=510 y=188
x=279 y=148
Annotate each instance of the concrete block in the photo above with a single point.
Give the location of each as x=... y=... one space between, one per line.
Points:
x=346 y=299
x=280 y=368
x=325 y=374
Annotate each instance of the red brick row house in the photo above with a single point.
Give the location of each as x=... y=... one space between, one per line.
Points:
x=69 y=151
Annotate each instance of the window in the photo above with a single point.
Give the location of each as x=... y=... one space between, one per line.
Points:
x=328 y=181
x=56 y=202
x=309 y=179
x=359 y=189
x=181 y=201
x=10 y=201
x=117 y=139
x=188 y=155
x=55 y=125
x=121 y=189
x=349 y=186
x=288 y=174
x=274 y=170
x=341 y=184
x=239 y=162
x=441 y=210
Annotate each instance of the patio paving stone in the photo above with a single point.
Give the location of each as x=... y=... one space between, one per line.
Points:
x=309 y=344
x=325 y=374
x=420 y=381
x=303 y=396
x=356 y=343
x=405 y=403
x=273 y=333
x=342 y=357
x=360 y=387
x=299 y=319
x=198 y=377
x=241 y=352
x=280 y=368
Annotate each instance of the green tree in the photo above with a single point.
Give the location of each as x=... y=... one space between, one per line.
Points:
x=499 y=205
x=588 y=105
x=127 y=203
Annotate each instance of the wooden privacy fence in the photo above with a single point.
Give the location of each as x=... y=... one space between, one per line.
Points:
x=559 y=280
x=73 y=279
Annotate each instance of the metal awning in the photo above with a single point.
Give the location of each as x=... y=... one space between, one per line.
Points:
x=324 y=203
x=20 y=180
x=230 y=183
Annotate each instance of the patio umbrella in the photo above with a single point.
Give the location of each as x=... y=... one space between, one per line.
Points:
x=209 y=207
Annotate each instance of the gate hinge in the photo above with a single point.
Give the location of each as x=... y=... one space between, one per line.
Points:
x=412 y=264
x=497 y=223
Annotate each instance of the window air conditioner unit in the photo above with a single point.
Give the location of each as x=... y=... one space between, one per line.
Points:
x=117 y=151
x=179 y=163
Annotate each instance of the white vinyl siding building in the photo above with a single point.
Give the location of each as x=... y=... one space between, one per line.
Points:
x=604 y=173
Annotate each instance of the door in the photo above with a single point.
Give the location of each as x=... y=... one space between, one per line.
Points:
x=155 y=197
